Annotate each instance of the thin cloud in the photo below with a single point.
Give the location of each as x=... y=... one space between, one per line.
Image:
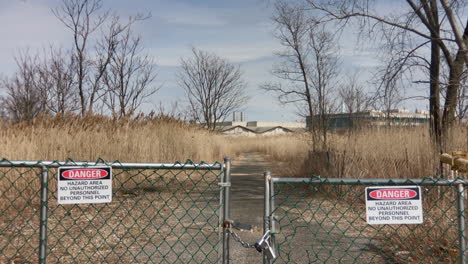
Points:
x=27 y=25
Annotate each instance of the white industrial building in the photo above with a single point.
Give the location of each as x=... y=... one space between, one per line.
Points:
x=396 y=117
x=240 y=127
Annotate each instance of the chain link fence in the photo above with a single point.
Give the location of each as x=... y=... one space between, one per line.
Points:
x=160 y=213
x=179 y=213
x=316 y=220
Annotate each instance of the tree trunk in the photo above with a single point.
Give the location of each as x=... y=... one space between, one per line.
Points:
x=456 y=71
x=434 y=97
x=434 y=73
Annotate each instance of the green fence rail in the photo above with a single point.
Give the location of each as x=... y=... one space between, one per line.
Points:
x=160 y=213
x=320 y=220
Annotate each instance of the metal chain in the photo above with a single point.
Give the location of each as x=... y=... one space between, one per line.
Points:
x=238 y=239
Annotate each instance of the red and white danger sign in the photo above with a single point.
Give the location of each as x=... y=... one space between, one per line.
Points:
x=394 y=205
x=80 y=185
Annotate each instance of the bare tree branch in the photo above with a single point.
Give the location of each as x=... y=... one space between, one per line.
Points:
x=82 y=19
x=23 y=100
x=130 y=75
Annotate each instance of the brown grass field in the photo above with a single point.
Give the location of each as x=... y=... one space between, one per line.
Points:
x=376 y=153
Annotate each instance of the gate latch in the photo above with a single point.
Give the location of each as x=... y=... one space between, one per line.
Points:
x=237 y=225
x=263 y=245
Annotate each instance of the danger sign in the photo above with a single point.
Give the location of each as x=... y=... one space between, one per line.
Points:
x=394 y=205
x=81 y=185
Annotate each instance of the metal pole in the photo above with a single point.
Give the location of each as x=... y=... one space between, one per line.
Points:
x=266 y=207
x=370 y=181
x=115 y=164
x=272 y=210
x=461 y=222
x=43 y=220
x=226 y=202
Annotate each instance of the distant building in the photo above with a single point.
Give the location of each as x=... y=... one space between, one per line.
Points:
x=373 y=118
x=240 y=127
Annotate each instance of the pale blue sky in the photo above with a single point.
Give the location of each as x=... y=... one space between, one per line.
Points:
x=240 y=31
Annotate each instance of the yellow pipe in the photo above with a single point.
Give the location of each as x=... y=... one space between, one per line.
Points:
x=447 y=159
x=460 y=165
x=461 y=154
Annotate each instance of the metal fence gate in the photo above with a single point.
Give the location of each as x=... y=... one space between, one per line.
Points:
x=179 y=213
x=160 y=213
x=320 y=220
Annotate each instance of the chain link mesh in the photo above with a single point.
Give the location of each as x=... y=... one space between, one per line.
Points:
x=19 y=214
x=326 y=223
x=156 y=216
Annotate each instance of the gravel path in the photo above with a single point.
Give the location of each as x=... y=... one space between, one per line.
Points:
x=247 y=193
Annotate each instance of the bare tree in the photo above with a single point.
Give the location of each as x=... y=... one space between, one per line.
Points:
x=129 y=77
x=214 y=87
x=323 y=69
x=353 y=96
x=292 y=30
x=72 y=80
x=419 y=22
x=57 y=81
x=115 y=36
x=82 y=18
x=23 y=100
x=388 y=93
x=308 y=66
x=92 y=55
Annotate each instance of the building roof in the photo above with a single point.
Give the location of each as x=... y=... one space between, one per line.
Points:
x=261 y=130
x=380 y=114
x=227 y=128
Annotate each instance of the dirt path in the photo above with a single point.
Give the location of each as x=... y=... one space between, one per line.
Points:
x=247 y=202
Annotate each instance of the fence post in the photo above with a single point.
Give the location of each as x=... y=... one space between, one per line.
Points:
x=266 y=207
x=272 y=216
x=226 y=202
x=43 y=216
x=461 y=222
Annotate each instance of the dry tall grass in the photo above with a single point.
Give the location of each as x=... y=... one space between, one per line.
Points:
x=382 y=153
x=145 y=140
x=375 y=153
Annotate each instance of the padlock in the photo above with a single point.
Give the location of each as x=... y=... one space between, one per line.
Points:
x=269 y=251
x=262 y=241
x=263 y=245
